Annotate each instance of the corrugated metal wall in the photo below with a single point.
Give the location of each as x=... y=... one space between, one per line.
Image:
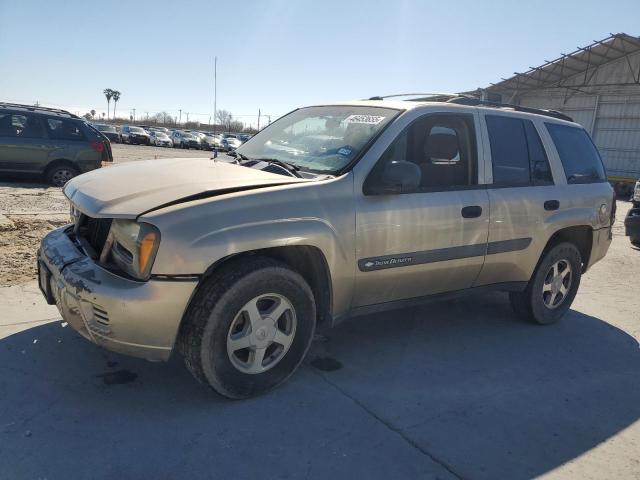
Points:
x=611 y=113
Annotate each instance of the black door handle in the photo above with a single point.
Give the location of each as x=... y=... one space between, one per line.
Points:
x=472 y=211
x=551 y=205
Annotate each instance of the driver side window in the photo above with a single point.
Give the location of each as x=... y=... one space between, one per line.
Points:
x=443 y=146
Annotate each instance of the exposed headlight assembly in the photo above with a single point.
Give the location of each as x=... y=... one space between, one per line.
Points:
x=133 y=247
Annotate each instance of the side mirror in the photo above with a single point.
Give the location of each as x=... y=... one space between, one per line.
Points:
x=400 y=177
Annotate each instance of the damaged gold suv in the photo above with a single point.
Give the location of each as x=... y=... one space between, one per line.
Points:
x=331 y=211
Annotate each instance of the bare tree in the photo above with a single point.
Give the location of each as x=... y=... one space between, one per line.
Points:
x=116 y=97
x=235 y=126
x=108 y=93
x=224 y=118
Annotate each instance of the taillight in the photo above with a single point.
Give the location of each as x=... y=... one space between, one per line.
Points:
x=97 y=146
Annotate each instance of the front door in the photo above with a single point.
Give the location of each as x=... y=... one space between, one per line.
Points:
x=433 y=239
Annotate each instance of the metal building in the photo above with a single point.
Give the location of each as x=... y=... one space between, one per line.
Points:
x=599 y=86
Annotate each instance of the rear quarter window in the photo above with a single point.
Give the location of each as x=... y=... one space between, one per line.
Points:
x=579 y=156
x=62 y=129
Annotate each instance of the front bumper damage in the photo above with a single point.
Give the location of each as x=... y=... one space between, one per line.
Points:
x=134 y=318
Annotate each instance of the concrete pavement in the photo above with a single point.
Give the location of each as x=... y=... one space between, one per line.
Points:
x=459 y=389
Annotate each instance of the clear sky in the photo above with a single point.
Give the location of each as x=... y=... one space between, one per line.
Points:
x=279 y=54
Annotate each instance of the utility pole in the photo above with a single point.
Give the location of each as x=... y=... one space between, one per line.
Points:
x=180 y=121
x=258 y=119
x=215 y=92
x=134 y=114
x=187 y=114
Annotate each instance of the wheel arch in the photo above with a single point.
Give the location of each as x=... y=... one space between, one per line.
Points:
x=579 y=235
x=59 y=162
x=307 y=260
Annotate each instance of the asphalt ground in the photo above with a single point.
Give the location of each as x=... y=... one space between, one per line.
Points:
x=456 y=389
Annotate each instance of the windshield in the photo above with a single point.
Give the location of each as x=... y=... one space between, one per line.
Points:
x=105 y=128
x=324 y=139
x=136 y=130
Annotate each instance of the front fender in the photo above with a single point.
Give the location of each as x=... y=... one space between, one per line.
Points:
x=197 y=235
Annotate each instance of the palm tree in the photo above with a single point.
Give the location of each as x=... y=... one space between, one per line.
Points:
x=116 y=97
x=108 y=93
x=93 y=113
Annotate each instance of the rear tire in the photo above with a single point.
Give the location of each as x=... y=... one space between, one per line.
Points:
x=222 y=313
x=58 y=175
x=552 y=287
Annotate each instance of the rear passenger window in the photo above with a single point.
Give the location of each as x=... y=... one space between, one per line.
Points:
x=20 y=126
x=578 y=154
x=517 y=153
x=509 y=151
x=61 y=129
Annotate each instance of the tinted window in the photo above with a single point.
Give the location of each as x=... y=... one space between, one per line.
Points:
x=61 y=129
x=539 y=163
x=517 y=153
x=578 y=154
x=442 y=146
x=509 y=150
x=20 y=126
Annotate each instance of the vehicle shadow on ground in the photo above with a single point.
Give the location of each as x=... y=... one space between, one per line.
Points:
x=34 y=181
x=486 y=393
x=458 y=388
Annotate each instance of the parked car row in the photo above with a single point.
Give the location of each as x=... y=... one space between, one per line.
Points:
x=164 y=137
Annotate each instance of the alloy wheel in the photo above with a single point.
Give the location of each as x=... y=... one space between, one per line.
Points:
x=261 y=333
x=557 y=283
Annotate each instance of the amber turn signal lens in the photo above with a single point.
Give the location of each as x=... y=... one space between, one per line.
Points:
x=146 y=249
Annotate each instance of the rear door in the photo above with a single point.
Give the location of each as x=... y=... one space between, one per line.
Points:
x=522 y=195
x=23 y=147
x=68 y=140
x=433 y=239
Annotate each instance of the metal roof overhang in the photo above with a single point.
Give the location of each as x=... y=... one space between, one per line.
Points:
x=583 y=60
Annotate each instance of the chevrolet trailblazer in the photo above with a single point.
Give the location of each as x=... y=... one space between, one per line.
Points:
x=331 y=211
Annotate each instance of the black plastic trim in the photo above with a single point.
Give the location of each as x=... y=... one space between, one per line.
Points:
x=383 y=262
x=418 y=301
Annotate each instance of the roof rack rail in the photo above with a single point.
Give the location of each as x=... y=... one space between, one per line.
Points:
x=474 y=101
x=464 y=99
x=431 y=94
x=34 y=108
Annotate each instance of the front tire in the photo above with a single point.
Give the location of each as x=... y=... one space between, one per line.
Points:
x=248 y=327
x=552 y=288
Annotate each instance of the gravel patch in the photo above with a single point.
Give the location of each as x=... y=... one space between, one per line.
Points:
x=31 y=209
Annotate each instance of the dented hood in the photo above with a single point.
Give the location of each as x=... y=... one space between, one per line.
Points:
x=130 y=189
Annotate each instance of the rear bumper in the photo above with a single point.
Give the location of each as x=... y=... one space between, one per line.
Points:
x=632 y=223
x=140 y=319
x=600 y=245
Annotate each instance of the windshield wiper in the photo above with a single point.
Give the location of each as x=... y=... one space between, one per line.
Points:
x=237 y=156
x=290 y=167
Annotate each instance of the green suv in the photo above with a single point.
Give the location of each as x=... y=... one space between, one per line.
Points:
x=50 y=142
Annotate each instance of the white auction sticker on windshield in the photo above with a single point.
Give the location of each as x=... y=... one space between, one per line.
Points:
x=366 y=119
